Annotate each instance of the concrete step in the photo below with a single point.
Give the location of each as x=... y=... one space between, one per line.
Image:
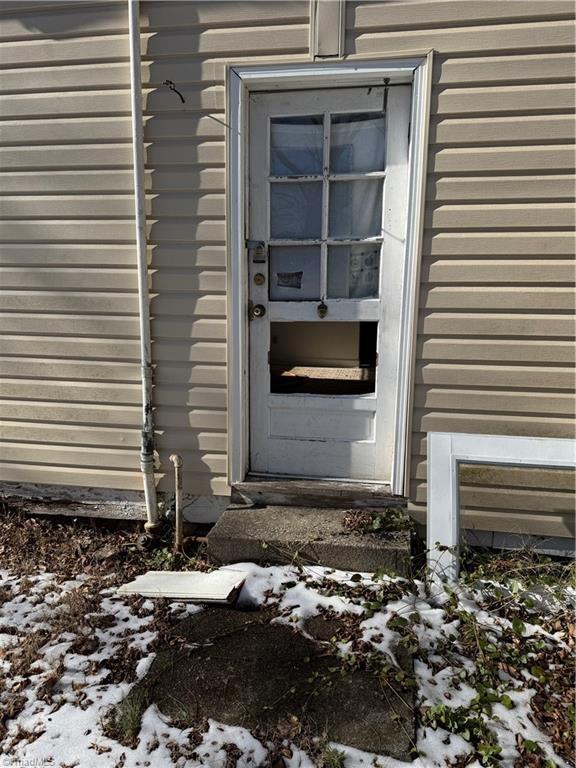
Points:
x=296 y=492
x=308 y=535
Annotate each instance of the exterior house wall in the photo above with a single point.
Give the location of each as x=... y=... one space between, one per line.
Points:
x=70 y=389
x=190 y=44
x=494 y=348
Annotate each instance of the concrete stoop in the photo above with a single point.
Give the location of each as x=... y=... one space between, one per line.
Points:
x=309 y=535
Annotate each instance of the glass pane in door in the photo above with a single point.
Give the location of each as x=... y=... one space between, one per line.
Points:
x=296 y=145
x=294 y=273
x=355 y=208
x=353 y=271
x=357 y=143
x=296 y=210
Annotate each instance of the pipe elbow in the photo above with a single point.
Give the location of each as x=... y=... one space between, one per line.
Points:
x=176 y=460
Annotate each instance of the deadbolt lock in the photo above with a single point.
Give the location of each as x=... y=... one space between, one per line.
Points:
x=257 y=251
x=257 y=311
x=259 y=278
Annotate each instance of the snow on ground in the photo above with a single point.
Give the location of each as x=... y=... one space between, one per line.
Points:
x=62 y=646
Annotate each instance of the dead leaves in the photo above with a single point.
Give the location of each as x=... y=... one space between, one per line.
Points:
x=100 y=749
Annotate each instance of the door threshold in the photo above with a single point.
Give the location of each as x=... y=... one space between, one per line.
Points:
x=344 y=481
x=269 y=490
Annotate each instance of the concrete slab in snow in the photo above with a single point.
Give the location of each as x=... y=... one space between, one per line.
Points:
x=214 y=587
x=246 y=669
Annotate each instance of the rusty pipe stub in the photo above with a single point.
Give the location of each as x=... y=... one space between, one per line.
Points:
x=179 y=521
x=177 y=461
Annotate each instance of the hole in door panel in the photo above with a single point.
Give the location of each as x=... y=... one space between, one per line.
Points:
x=323 y=358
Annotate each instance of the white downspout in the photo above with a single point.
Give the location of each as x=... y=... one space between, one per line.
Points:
x=147 y=444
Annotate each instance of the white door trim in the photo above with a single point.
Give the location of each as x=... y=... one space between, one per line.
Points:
x=242 y=80
x=446 y=451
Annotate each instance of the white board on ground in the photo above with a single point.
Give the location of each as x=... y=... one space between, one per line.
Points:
x=214 y=587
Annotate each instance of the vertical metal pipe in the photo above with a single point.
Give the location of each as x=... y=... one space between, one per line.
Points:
x=179 y=521
x=147 y=443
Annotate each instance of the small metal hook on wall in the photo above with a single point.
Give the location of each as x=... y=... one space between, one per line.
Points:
x=172 y=85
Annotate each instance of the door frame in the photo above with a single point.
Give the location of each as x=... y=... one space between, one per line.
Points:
x=240 y=81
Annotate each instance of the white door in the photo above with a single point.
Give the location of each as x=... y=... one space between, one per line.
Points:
x=327 y=224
